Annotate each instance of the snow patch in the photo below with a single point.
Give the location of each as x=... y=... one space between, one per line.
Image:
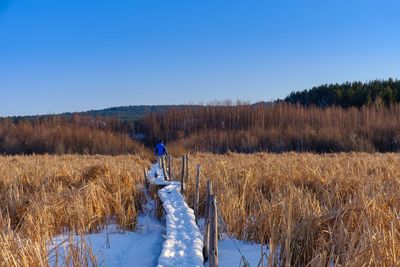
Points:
x=229 y=254
x=114 y=247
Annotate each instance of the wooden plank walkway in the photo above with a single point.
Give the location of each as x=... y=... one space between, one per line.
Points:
x=183 y=245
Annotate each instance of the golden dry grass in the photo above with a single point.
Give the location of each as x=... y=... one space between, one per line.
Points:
x=318 y=209
x=42 y=196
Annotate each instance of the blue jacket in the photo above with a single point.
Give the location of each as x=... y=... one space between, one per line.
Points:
x=160 y=150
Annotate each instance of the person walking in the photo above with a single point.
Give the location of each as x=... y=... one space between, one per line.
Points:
x=160 y=152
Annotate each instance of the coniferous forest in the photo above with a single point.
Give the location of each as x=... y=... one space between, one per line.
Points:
x=349 y=94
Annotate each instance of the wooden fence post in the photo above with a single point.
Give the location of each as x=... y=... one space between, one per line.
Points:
x=187 y=168
x=183 y=168
x=183 y=176
x=197 y=195
x=163 y=168
x=170 y=172
x=206 y=240
x=213 y=253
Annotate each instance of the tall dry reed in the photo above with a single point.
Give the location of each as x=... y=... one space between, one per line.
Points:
x=43 y=196
x=314 y=210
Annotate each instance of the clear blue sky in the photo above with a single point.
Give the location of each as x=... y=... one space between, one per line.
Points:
x=74 y=55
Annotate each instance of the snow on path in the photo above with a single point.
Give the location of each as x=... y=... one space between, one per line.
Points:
x=182 y=232
x=156 y=176
x=183 y=245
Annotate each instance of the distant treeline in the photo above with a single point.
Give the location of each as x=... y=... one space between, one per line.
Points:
x=57 y=134
x=349 y=94
x=277 y=128
x=329 y=118
x=126 y=114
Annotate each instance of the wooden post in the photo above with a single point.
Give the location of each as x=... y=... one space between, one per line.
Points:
x=183 y=168
x=187 y=168
x=206 y=240
x=213 y=250
x=170 y=173
x=168 y=164
x=163 y=168
x=183 y=176
x=197 y=195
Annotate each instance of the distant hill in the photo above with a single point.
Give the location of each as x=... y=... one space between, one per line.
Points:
x=264 y=104
x=128 y=113
x=125 y=113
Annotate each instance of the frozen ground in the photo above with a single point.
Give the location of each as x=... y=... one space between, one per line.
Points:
x=143 y=249
x=140 y=248
x=229 y=254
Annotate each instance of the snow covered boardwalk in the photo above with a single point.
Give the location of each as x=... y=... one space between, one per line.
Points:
x=183 y=245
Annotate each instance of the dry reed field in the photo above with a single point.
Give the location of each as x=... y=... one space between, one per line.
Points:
x=313 y=210
x=42 y=196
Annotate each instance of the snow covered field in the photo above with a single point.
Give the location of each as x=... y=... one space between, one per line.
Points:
x=141 y=248
x=229 y=254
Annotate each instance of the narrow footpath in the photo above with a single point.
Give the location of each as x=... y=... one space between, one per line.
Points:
x=183 y=245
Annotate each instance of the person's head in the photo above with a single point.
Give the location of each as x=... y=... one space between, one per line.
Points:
x=161 y=141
